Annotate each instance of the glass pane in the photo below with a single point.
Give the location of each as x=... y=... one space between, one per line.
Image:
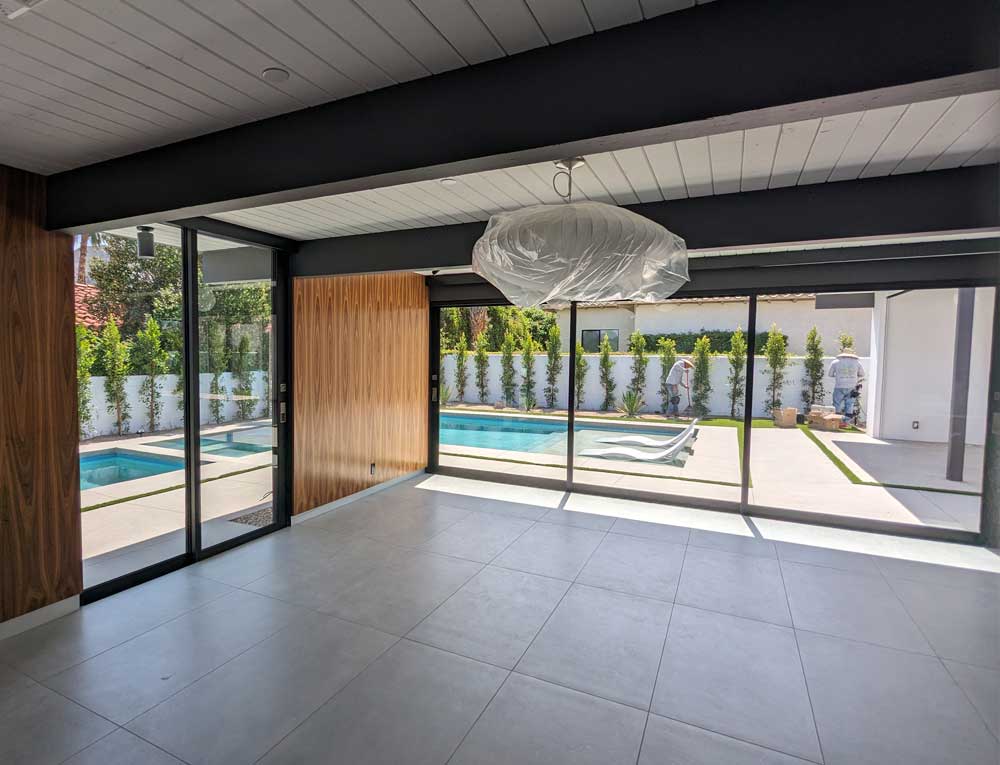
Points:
x=129 y=361
x=235 y=358
x=635 y=423
x=889 y=391
x=494 y=416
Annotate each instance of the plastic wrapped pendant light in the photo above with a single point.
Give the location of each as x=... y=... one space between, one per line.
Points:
x=588 y=252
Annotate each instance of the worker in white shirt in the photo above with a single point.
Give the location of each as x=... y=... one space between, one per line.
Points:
x=675 y=379
x=847 y=372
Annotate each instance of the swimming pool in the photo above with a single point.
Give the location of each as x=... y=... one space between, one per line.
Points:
x=538 y=435
x=235 y=443
x=116 y=465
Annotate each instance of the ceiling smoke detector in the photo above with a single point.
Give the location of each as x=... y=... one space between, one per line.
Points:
x=273 y=74
x=14 y=8
x=449 y=182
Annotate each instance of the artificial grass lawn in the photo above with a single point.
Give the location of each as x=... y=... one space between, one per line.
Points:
x=167 y=488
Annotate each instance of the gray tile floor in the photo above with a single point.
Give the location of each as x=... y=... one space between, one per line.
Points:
x=423 y=626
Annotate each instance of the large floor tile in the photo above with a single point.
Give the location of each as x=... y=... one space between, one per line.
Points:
x=478 y=537
x=850 y=605
x=131 y=678
x=413 y=705
x=551 y=549
x=395 y=598
x=668 y=742
x=880 y=706
x=961 y=623
x=982 y=687
x=58 y=645
x=38 y=726
x=742 y=585
x=661 y=532
x=412 y=526
x=738 y=677
x=735 y=543
x=827 y=557
x=637 y=566
x=234 y=715
x=122 y=748
x=531 y=722
x=955 y=576
x=493 y=617
x=578 y=518
x=601 y=642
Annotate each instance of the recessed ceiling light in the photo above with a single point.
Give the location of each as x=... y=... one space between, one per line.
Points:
x=275 y=74
x=449 y=182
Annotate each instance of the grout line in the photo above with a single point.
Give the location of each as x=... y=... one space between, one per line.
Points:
x=479 y=716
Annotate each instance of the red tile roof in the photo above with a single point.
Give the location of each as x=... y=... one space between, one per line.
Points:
x=84 y=316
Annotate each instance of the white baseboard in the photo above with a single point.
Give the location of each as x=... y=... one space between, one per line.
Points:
x=323 y=509
x=39 y=616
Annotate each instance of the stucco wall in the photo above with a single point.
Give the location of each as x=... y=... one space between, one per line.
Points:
x=621 y=318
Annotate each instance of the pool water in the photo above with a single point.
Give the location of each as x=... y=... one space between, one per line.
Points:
x=237 y=443
x=114 y=466
x=530 y=434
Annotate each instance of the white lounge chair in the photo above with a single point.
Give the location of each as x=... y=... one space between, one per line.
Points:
x=654 y=443
x=625 y=453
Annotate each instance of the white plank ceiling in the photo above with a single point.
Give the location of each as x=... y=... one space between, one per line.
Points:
x=86 y=80
x=931 y=135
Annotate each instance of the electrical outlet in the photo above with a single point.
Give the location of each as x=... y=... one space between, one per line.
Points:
x=372 y=469
x=916 y=425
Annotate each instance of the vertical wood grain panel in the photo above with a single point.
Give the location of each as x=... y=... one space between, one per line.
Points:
x=40 y=547
x=360 y=382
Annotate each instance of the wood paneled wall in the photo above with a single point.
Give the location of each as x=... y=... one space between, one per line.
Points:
x=360 y=382
x=40 y=547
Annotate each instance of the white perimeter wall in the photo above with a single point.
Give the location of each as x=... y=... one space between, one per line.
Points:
x=621 y=318
x=594 y=394
x=103 y=422
x=918 y=360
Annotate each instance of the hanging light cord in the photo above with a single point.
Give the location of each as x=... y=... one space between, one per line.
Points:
x=568 y=172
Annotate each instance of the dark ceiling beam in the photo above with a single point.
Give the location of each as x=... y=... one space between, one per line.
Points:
x=236 y=233
x=720 y=66
x=945 y=200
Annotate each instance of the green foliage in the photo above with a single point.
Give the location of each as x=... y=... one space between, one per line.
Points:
x=149 y=359
x=265 y=363
x=454 y=324
x=666 y=347
x=461 y=366
x=553 y=366
x=503 y=321
x=508 y=385
x=86 y=355
x=637 y=345
x=538 y=323
x=528 y=373
x=482 y=362
x=776 y=353
x=216 y=360
x=631 y=403
x=582 y=365
x=737 y=358
x=813 y=391
x=246 y=403
x=114 y=359
x=701 y=380
x=845 y=342
x=606 y=370
x=446 y=393
x=684 y=341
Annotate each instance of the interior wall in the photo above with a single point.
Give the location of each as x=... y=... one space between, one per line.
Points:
x=40 y=558
x=361 y=383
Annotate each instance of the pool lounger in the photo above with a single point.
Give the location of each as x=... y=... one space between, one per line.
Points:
x=655 y=443
x=624 y=452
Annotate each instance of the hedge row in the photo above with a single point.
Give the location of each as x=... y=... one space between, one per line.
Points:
x=719 y=339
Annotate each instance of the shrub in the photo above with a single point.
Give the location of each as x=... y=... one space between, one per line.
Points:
x=637 y=345
x=813 y=391
x=630 y=403
x=701 y=381
x=737 y=357
x=528 y=373
x=149 y=359
x=482 y=362
x=214 y=345
x=667 y=348
x=113 y=355
x=265 y=363
x=446 y=393
x=461 y=367
x=845 y=342
x=243 y=378
x=776 y=353
x=582 y=365
x=553 y=366
x=508 y=384
x=684 y=341
x=606 y=370
x=86 y=355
